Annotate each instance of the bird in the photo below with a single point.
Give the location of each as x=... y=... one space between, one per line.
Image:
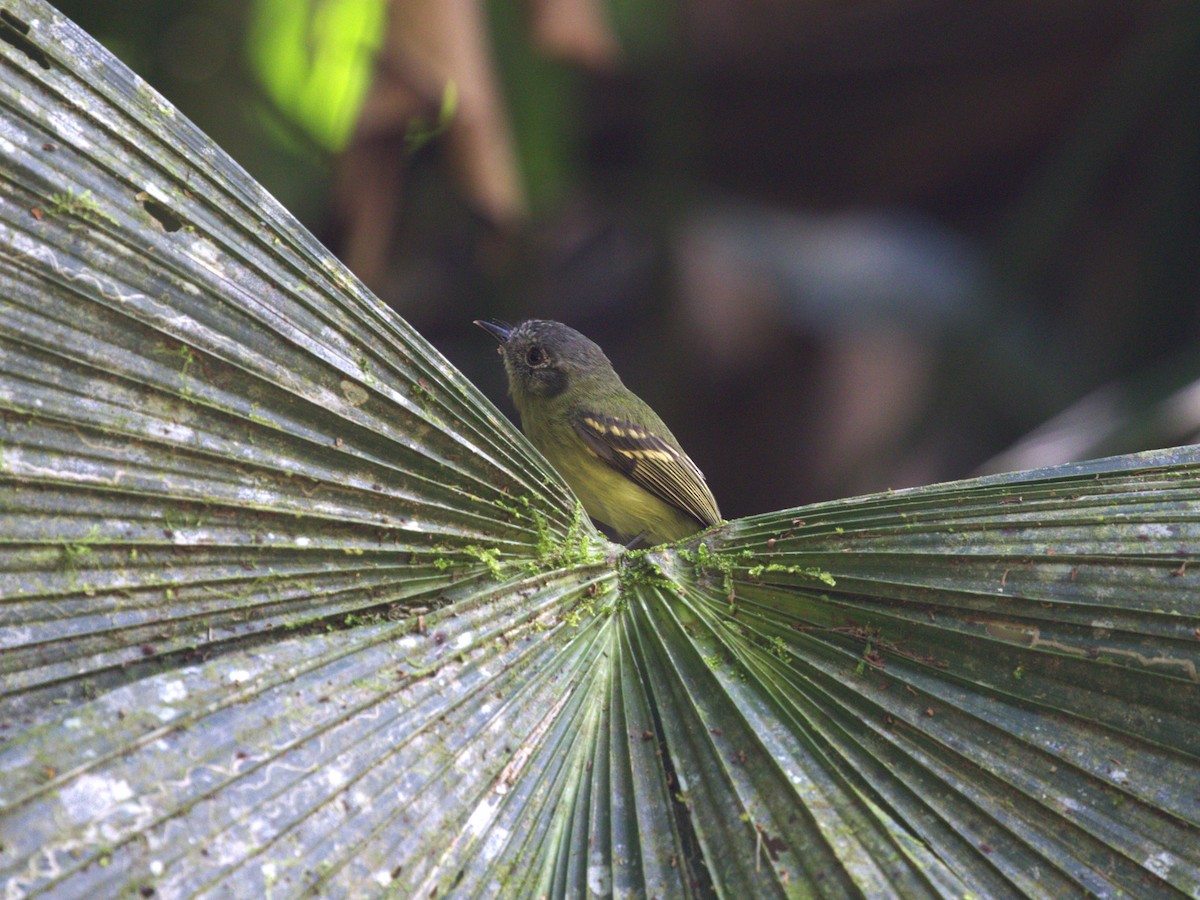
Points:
x=611 y=448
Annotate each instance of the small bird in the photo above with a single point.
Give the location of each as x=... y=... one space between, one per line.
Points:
x=614 y=451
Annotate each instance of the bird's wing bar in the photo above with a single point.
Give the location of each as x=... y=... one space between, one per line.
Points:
x=650 y=462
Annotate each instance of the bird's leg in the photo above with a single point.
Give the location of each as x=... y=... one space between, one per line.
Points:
x=639 y=540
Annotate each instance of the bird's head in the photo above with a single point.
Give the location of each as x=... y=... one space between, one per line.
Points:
x=544 y=359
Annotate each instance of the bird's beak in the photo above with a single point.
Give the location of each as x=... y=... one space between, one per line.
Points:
x=497 y=330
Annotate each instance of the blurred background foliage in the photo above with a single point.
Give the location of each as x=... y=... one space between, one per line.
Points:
x=841 y=245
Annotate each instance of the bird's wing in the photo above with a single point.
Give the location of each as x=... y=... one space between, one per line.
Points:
x=651 y=462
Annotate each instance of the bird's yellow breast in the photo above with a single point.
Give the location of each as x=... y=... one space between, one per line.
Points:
x=614 y=499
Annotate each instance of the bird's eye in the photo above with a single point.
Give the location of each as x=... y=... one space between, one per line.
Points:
x=535 y=356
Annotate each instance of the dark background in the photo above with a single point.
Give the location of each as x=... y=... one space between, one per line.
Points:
x=840 y=246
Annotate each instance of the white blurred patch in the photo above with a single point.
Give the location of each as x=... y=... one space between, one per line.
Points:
x=599 y=877
x=206 y=254
x=92 y=797
x=172 y=692
x=1160 y=863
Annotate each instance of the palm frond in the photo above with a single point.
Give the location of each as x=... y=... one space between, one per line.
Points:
x=287 y=606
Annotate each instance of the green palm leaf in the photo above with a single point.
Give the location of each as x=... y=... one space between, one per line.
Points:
x=286 y=606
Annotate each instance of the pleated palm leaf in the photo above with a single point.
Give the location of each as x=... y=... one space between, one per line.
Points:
x=287 y=606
